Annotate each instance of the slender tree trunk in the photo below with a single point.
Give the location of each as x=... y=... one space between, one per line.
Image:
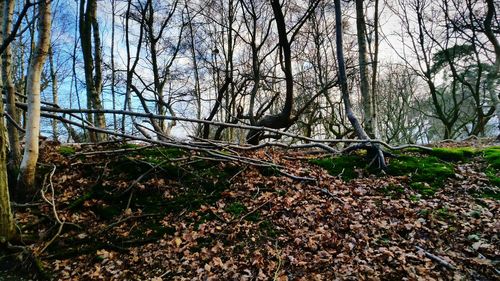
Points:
x=55 y=98
x=366 y=97
x=282 y=119
x=26 y=179
x=113 y=75
x=90 y=37
x=197 y=91
x=360 y=132
x=375 y=69
x=496 y=47
x=14 y=144
x=7 y=230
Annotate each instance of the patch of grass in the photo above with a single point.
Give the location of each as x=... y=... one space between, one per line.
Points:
x=422 y=170
x=67 y=150
x=236 y=209
x=343 y=166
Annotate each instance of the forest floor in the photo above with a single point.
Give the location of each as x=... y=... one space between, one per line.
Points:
x=150 y=213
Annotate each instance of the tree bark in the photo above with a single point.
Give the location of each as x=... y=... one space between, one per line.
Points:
x=360 y=132
x=366 y=95
x=90 y=38
x=14 y=144
x=282 y=119
x=490 y=13
x=55 y=98
x=26 y=179
x=7 y=229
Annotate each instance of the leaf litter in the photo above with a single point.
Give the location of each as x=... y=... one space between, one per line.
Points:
x=195 y=219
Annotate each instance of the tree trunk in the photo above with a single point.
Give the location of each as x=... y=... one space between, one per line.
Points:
x=496 y=47
x=14 y=144
x=360 y=132
x=366 y=95
x=55 y=98
x=7 y=229
x=375 y=70
x=26 y=179
x=113 y=73
x=92 y=62
x=282 y=119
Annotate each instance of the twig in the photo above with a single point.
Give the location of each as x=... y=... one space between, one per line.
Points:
x=297 y=177
x=54 y=210
x=110 y=151
x=333 y=196
x=126 y=219
x=437 y=259
x=254 y=210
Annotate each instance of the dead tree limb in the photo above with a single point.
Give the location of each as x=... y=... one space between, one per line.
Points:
x=202 y=121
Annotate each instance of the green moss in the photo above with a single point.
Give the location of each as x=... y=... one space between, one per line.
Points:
x=67 y=150
x=492 y=171
x=424 y=213
x=106 y=211
x=393 y=190
x=444 y=213
x=268 y=228
x=423 y=188
x=343 y=166
x=453 y=153
x=428 y=170
x=162 y=153
x=236 y=209
x=253 y=217
x=129 y=145
x=492 y=156
x=267 y=171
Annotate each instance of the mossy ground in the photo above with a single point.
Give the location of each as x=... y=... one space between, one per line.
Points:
x=492 y=171
x=427 y=170
x=344 y=167
x=66 y=150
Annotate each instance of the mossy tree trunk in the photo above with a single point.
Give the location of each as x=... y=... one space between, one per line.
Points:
x=26 y=179
x=7 y=229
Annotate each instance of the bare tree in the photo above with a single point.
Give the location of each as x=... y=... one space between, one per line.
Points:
x=8 y=81
x=92 y=59
x=27 y=169
x=366 y=93
x=358 y=129
x=7 y=228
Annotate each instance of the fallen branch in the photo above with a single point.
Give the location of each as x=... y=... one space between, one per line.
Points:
x=435 y=258
x=314 y=142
